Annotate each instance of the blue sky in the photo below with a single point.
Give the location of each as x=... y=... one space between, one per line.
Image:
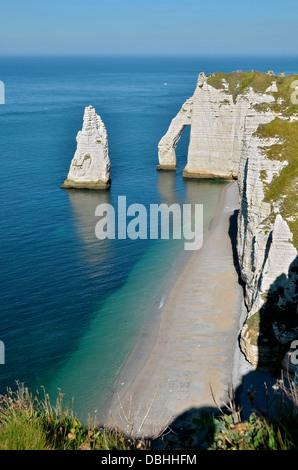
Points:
x=148 y=27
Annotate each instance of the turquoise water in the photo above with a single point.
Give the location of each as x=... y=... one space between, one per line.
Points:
x=73 y=307
x=93 y=368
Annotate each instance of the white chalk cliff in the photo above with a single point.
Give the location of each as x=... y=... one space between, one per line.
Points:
x=244 y=126
x=90 y=166
x=217 y=131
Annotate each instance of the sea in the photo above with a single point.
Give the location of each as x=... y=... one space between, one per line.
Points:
x=73 y=307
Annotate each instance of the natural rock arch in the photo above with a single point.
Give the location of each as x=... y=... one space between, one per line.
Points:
x=167 y=145
x=218 y=131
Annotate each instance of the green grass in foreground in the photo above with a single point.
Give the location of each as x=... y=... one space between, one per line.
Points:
x=32 y=423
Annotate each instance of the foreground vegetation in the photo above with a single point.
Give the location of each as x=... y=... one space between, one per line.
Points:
x=263 y=430
x=32 y=423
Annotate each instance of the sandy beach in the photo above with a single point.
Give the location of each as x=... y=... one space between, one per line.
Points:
x=190 y=357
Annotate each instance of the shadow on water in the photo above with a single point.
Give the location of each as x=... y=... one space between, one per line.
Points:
x=84 y=203
x=263 y=391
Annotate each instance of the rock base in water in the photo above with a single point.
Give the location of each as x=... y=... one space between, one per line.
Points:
x=166 y=167
x=208 y=175
x=68 y=184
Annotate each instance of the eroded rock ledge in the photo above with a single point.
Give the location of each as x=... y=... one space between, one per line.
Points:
x=90 y=166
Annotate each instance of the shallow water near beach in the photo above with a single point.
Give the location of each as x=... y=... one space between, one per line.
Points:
x=74 y=307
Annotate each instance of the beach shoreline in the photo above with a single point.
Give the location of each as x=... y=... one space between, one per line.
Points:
x=189 y=357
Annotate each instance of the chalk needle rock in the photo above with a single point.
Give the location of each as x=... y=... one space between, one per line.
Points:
x=90 y=166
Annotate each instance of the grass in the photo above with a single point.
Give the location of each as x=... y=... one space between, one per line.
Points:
x=29 y=422
x=32 y=423
x=284 y=102
x=22 y=434
x=240 y=81
x=285 y=183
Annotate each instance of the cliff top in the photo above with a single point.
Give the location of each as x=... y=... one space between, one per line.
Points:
x=280 y=86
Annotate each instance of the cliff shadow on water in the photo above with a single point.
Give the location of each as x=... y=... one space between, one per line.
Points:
x=263 y=401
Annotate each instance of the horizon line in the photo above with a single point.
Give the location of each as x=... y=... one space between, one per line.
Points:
x=148 y=55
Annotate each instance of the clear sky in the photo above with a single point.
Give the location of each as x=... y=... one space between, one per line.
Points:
x=139 y=27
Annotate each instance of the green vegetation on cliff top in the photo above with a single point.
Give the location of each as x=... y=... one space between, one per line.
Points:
x=283 y=188
x=240 y=81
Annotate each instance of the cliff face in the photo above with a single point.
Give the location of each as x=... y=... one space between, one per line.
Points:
x=217 y=130
x=90 y=166
x=267 y=238
x=244 y=125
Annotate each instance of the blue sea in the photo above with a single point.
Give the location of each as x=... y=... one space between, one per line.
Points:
x=73 y=307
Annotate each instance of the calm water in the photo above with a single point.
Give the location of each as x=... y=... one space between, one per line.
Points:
x=72 y=307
